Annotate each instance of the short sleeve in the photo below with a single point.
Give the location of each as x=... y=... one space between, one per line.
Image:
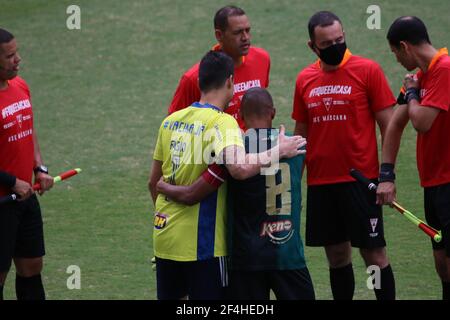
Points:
x=437 y=90
x=378 y=91
x=158 y=154
x=187 y=93
x=23 y=85
x=268 y=72
x=226 y=133
x=299 y=110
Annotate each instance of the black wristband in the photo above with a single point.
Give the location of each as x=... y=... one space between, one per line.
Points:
x=387 y=173
x=412 y=93
x=7 y=180
x=401 y=99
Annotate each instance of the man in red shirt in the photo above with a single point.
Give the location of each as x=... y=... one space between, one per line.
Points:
x=251 y=64
x=21 y=228
x=337 y=102
x=425 y=100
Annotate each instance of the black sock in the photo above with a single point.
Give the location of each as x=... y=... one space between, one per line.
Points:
x=1 y=292
x=342 y=282
x=30 y=288
x=387 y=289
x=445 y=290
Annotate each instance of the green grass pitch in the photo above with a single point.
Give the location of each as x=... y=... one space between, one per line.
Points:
x=100 y=93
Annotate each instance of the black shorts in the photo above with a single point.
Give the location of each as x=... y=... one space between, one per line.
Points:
x=256 y=285
x=343 y=212
x=21 y=231
x=437 y=213
x=199 y=280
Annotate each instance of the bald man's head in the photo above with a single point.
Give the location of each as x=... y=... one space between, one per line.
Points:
x=257 y=104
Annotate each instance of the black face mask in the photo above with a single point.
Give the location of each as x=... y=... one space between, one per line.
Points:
x=333 y=54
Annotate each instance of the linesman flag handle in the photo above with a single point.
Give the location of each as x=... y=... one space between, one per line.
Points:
x=62 y=176
x=37 y=186
x=431 y=232
x=362 y=179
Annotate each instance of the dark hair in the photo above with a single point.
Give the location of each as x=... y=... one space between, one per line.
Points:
x=5 y=36
x=215 y=68
x=321 y=19
x=410 y=29
x=221 y=16
x=256 y=102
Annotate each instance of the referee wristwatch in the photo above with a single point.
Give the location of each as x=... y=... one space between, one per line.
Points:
x=41 y=168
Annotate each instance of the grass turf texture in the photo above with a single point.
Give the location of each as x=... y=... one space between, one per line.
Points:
x=100 y=93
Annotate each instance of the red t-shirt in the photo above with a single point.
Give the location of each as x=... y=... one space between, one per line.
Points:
x=253 y=72
x=16 y=132
x=339 y=107
x=433 y=147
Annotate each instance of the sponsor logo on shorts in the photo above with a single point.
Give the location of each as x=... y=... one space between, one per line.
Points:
x=279 y=232
x=374 y=223
x=160 y=220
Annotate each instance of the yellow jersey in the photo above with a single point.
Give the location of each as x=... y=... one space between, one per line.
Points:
x=189 y=140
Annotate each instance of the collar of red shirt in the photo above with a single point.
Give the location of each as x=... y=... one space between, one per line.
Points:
x=217 y=47
x=347 y=56
x=441 y=52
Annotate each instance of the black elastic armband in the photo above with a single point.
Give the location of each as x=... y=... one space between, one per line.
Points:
x=386 y=173
x=7 y=180
x=401 y=99
x=412 y=93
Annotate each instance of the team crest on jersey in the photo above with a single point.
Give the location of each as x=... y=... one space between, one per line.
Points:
x=279 y=232
x=328 y=102
x=160 y=220
x=19 y=120
x=373 y=224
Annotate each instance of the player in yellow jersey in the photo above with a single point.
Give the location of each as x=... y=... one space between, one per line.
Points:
x=190 y=241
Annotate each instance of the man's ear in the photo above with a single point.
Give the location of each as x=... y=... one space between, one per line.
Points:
x=230 y=82
x=311 y=46
x=404 y=46
x=219 y=35
x=274 y=112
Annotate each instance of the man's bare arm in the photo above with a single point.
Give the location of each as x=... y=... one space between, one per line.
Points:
x=383 y=118
x=386 y=190
x=44 y=179
x=155 y=175
x=301 y=129
x=188 y=195
x=422 y=117
x=242 y=166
